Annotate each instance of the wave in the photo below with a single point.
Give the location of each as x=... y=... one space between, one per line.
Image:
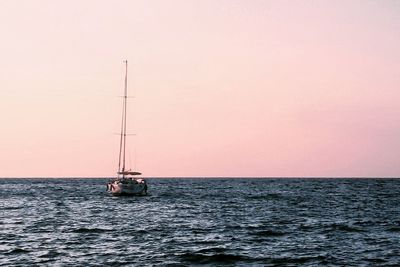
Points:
x=342 y=228
x=270 y=233
x=12 y=208
x=298 y=260
x=270 y=196
x=51 y=254
x=226 y=258
x=17 y=251
x=220 y=258
x=173 y=195
x=90 y=230
x=394 y=229
x=376 y=260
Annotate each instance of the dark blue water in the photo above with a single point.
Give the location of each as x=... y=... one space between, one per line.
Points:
x=213 y=222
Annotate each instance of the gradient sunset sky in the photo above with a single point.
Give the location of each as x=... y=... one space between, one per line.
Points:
x=222 y=87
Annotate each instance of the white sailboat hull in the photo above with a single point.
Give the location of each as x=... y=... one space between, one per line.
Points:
x=135 y=187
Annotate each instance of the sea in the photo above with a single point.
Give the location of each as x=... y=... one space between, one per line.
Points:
x=201 y=222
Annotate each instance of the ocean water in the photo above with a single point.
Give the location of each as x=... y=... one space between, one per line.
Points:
x=201 y=222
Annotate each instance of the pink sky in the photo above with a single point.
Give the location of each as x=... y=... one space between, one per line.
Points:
x=223 y=87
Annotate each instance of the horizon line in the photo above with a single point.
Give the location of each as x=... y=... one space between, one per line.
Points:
x=207 y=177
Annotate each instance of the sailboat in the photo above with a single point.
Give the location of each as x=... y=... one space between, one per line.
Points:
x=126 y=182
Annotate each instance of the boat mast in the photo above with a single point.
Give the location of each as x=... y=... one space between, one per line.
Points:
x=122 y=144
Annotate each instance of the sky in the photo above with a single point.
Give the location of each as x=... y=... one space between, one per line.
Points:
x=220 y=88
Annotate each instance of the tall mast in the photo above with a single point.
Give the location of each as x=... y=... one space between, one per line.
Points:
x=125 y=101
x=122 y=144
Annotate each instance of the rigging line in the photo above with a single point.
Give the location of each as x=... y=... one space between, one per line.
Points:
x=122 y=137
x=135 y=154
